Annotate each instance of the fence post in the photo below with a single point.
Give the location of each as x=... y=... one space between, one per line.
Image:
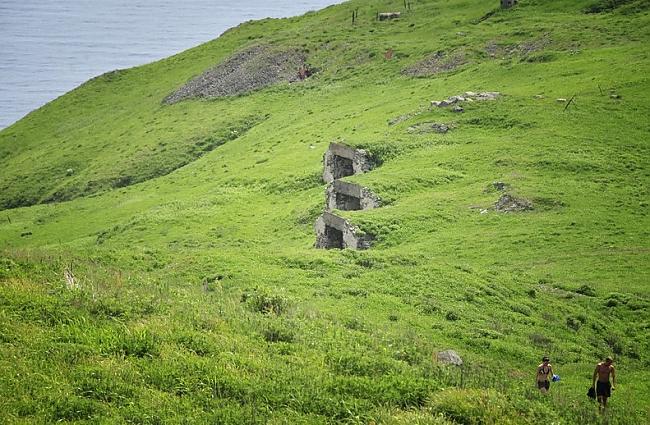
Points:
x=462 y=375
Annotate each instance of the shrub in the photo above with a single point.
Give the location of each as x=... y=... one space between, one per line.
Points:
x=140 y=343
x=196 y=342
x=278 y=333
x=573 y=323
x=540 y=340
x=428 y=306
x=587 y=290
x=602 y=6
x=471 y=406
x=356 y=292
x=265 y=303
x=452 y=315
x=355 y=324
x=521 y=309
x=72 y=408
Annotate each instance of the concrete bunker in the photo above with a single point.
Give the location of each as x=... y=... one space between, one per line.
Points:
x=350 y=197
x=334 y=232
x=385 y=16
x=342 y=161
x=507 y=4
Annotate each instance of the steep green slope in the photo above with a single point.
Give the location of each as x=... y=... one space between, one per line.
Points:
x=198 y=294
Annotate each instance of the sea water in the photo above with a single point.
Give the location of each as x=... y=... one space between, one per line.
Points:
x=48 y=47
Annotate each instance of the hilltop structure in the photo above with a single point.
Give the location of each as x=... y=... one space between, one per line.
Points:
x=507 y=4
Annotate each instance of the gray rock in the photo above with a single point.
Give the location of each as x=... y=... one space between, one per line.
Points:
x=428 y=127
x=449 y=357
x=457 y=108
x=487 y=95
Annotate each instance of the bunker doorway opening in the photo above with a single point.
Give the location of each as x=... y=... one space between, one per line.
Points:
x=342 y=167
x=334 y=238
x=347 y=203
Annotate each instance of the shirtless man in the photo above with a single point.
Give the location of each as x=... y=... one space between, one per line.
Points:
x=544 y=370
x=603 y=386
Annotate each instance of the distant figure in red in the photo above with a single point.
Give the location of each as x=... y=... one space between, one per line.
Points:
x=544 y=370
x=603 y=386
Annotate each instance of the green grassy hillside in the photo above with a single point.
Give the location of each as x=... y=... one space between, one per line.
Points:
x=194 y=293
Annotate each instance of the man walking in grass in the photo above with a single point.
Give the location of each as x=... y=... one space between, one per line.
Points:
x=544 y=370
x=603 y=386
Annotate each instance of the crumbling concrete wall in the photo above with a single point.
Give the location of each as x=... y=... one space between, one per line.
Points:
x=349 y=197
x=333 y=231
x=342 y=161
x=384 y=16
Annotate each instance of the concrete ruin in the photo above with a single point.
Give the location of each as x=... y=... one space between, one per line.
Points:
x=350 y=197
x=385 y=16
x=334 y=232
x=342 y=161
x=507 y=4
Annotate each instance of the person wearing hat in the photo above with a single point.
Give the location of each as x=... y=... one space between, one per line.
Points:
x=544 y=370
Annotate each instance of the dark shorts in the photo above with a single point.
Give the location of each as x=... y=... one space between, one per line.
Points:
x=543 y=384
x=603 y=389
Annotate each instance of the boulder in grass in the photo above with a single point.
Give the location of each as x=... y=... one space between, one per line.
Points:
x=449 y=357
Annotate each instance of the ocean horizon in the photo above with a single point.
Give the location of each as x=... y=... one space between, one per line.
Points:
x=48 y=48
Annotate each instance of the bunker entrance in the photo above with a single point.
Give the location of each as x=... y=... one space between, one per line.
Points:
x=347 y=203
x=333 y=238
x=342 y=167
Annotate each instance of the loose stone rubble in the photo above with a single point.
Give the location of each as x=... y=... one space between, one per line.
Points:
x=428 y=127
x=508 y=203
x=245 y=71
x=466 y=97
